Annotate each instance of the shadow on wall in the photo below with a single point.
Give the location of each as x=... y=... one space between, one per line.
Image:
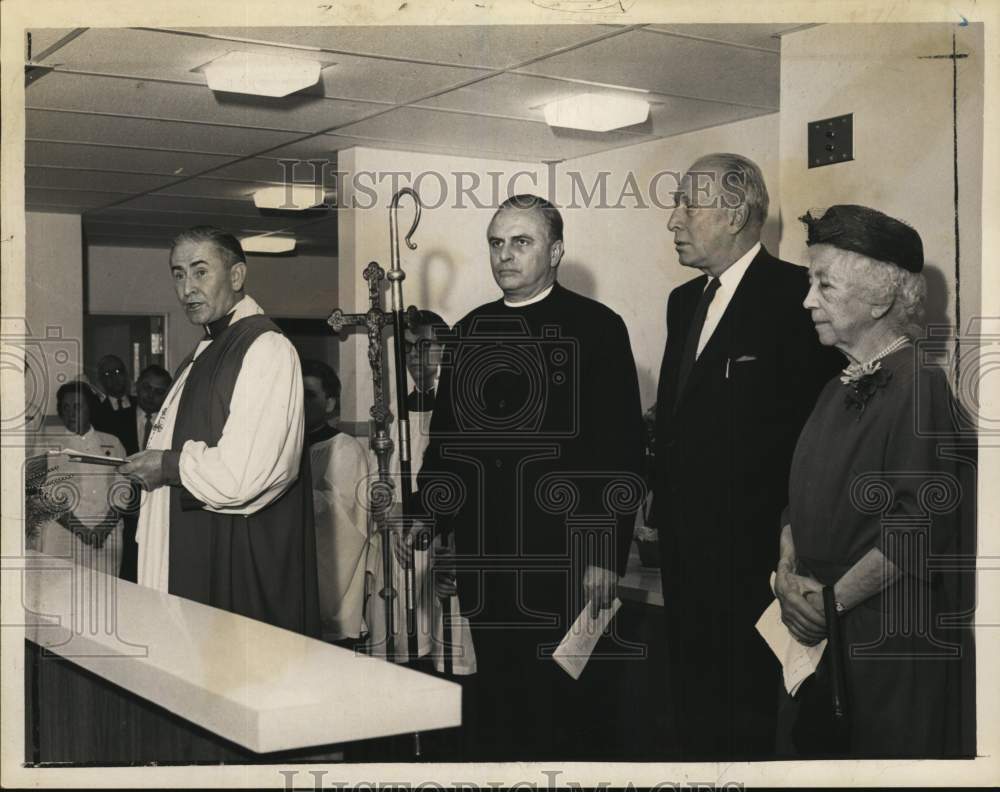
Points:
x=770 y=236
x=575 y=276
x=938 y=297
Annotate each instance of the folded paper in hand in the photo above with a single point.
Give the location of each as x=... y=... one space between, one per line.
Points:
x=798 y=662
x=83 y=456
x=575 y=648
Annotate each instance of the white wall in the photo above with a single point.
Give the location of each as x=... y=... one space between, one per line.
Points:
x=136 y=280
x=622 y=253
x=449 y=272
x=53 y=305
x=903 y=140
x=623 y=256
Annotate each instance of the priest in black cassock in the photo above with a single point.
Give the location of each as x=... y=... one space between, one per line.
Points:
x=227 y=519
x=741 y=372
x=533 y=461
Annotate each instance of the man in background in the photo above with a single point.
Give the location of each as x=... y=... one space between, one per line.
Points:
x=339 y=465
x=90 y=532
x=113 y=396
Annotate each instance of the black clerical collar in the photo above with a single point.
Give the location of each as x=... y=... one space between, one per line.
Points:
x=213 y=329
x=325 y=432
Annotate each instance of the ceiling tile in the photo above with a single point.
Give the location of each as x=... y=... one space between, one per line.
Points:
x=523 y=96
x=159 y=202
x=93 y=180
x=114 y=130
x=759 y=35
x=531 y=141
x=170 y=56
x=215 y=188
x=69 y=155
x=146 y=53
x=270 y=168
x=80 y=198
x=489 y=46
x=672 y=65
x=300 y=112
x=196 y=215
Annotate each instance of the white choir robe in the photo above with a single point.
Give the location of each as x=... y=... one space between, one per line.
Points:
x=344 y=553
x=93 y=491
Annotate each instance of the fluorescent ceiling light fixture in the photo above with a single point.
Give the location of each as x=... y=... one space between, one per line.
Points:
x=292 y=197
x=596 y=112
x=268 y=244
x=260 y=75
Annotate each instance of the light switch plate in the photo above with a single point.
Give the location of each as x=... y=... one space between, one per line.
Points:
x=831 y=140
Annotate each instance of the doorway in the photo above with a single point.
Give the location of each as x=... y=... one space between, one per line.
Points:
x=138 y=339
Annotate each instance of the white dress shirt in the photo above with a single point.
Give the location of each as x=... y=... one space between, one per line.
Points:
x=257 y=457
x=117 y=402
x=729 y=281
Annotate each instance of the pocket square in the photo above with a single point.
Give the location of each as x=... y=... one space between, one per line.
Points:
x=745 y=359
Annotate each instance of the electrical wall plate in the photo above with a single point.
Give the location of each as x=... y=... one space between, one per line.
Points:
x=831 y=140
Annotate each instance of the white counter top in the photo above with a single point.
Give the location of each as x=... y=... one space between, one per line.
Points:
x=262 y=687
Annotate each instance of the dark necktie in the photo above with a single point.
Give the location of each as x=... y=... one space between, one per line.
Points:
x=420 y=401
x=146 y=430
x=690 y=353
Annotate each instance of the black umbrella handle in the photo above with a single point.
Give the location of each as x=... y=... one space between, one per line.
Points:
x=837 y=659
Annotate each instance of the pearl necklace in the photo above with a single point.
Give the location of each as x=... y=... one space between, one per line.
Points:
x=856 y=371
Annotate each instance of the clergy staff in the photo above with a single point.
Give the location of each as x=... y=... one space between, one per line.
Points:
x=345 y=552
x=227 y=517
x=537 y=414
x=741 y=370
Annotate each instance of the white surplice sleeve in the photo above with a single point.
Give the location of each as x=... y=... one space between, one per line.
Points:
x=258 y=456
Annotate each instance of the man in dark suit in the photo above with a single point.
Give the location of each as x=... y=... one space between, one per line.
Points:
x=132 y=426
x=740 y=374
x=114 y=397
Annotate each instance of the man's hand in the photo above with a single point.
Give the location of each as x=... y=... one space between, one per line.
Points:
x=600 y=587
x=443 y=568
x=152 y=469
x=797 y=595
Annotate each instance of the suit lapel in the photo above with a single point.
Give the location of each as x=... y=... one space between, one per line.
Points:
x=670 y=367
x=729 y=327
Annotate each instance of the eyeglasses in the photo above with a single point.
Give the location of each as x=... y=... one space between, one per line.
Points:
x=111 y=371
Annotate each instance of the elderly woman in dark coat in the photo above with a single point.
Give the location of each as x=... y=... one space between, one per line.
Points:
x=872 y=498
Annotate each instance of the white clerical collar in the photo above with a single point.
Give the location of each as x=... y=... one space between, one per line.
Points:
x=245 y=307
x=731 y=278
x=531 y=300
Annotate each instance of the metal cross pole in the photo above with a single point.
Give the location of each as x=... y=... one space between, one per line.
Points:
x=381 y=490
